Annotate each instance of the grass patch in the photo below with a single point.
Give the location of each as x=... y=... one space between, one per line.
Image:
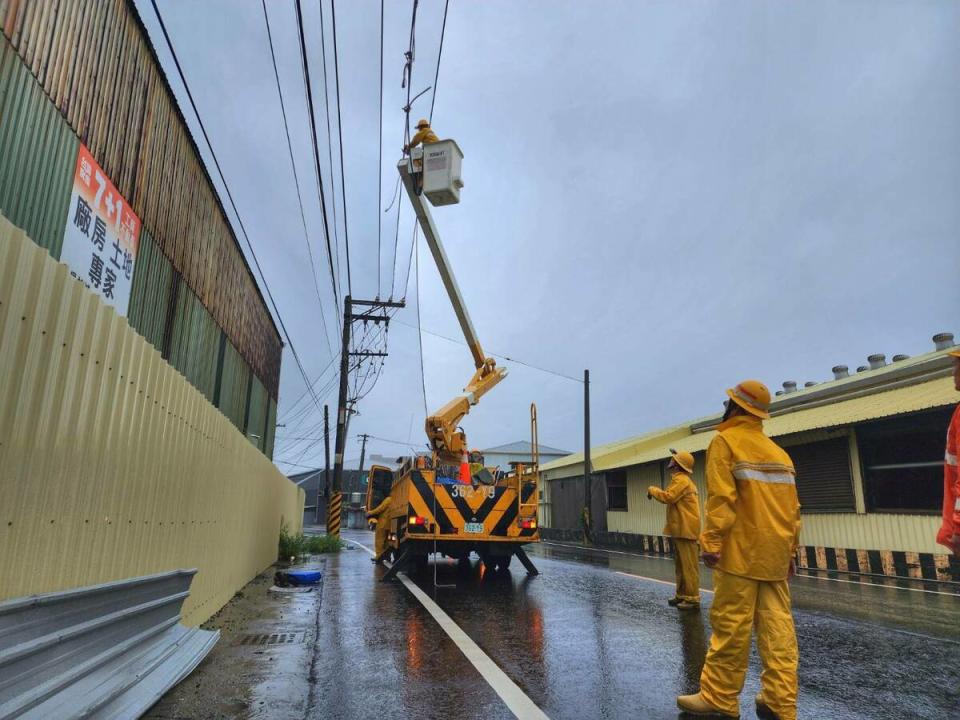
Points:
x=293 y=545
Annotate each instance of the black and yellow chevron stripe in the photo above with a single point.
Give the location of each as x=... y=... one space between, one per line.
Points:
x=334 y=508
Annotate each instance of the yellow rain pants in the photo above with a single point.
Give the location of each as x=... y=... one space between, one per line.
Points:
x=380 y=512
x=739 y=605
x=686 y=563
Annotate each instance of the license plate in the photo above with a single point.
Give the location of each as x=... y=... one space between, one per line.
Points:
x=475 y=528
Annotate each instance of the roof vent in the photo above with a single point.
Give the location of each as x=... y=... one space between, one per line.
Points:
x=898 y=358
x=840 y=372
x=862 y=368
x=943 y=340
x=809 y=383
x=789 y=386
x=877 y=360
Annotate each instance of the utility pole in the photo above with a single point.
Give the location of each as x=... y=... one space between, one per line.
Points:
x=326 y=467
x=343 y=402
x=587 y=465
x=363 y=450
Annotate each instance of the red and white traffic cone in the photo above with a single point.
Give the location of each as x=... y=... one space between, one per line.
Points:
x=465 y=476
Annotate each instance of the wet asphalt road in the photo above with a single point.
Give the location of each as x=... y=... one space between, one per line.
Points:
x=592 y=637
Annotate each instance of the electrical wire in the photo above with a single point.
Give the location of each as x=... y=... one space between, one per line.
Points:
x=343 y=186
x=316 y=152
x=296 y=180
x=380 y=164
x=326 y=105
x=436 y=77
x=226 y=188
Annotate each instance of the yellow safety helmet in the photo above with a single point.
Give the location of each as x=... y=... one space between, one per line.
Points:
x=424 y=123
x=753 y=396
x=683 y=459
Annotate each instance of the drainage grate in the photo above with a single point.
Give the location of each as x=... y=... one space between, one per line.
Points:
x=283 y=638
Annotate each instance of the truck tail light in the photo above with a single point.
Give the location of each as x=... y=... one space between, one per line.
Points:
x=417 y=520
x=528 y=524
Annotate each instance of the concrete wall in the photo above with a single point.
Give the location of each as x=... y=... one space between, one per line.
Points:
x=112 y=465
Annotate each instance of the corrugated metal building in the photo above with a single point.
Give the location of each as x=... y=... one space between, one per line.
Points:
x=521 y=451
x=869 y=455
x=80 y=75
x=311 y=481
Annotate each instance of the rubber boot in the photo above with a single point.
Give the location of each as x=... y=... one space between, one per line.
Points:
x=763 y=710
x=687 y=605
x=696 y=705
x=674 y=601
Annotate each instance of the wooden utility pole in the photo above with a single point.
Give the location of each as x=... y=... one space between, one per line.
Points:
x=326 y=466
x=363 y=450
x=343 y=402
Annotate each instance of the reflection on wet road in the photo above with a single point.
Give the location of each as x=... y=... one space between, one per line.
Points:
x=592 y=637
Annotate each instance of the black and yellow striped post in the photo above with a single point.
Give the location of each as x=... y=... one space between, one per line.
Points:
x=333 y=514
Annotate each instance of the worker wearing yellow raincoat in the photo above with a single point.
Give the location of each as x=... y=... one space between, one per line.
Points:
x=379 y=513
x=683 y=527
x=750 y=537
x=423 y=135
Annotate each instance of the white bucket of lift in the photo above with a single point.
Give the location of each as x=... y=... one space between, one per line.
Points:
x=441 y=172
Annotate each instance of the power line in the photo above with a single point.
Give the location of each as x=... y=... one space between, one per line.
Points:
x=226 y=187
x=423 y=377
x=326 y=106
x=316 y=152
x=380 y=165
x=343 y=187
x=296 y=180
x=436 y=77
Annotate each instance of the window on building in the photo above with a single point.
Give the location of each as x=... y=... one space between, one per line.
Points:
x=616 y=489
x=902 y=462
x=824 y=480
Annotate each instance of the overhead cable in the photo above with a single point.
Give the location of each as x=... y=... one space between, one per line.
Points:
x=343 y=187
x=226 y=188
x=296 y=180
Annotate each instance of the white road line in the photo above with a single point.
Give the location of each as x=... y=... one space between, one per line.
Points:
x=802 y=575
x=520 y=705
x=662 y=582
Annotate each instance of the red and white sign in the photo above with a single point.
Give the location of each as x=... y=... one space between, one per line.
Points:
x=102 y=234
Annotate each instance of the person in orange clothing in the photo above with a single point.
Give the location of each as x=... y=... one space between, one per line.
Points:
x=750 y=537
x=381 y=514
x=949 y=533
x=683 y=526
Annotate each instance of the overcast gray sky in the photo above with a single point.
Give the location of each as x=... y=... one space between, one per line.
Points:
x=677 y=195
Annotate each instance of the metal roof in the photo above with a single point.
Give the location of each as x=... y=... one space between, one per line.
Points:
x=523 y=447
x=920 y=383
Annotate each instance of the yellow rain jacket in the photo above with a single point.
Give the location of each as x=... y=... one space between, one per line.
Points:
x=424 y=136
x=383 y=527
x=752 y=510
x=683 y=506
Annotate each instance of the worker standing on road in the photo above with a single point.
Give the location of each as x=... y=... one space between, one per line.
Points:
x=949 y=534
x=424 y=135
x=750 y=539
x=683 y=526
x=379 y=513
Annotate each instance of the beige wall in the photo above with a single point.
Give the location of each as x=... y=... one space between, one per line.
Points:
x=111 y=464
x=870 y=531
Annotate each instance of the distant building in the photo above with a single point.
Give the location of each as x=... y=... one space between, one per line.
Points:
x=521 y=451
x=868 y=448
x=353 y=482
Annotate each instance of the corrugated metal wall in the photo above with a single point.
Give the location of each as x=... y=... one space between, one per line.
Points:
x=271 y=429
x=96 y=65
x=113 y=465
x=37 y=155
x=150 y=293
x=257 y=414
x=874 y=531
x=195 y=343
x=234 y=386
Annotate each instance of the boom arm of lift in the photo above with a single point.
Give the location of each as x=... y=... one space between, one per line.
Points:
x=443 y=426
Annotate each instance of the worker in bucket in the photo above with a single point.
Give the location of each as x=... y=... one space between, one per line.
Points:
x=683 y=527
x=751 y=534
x=424 y=135
x=379 y=513
x=949 y=533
